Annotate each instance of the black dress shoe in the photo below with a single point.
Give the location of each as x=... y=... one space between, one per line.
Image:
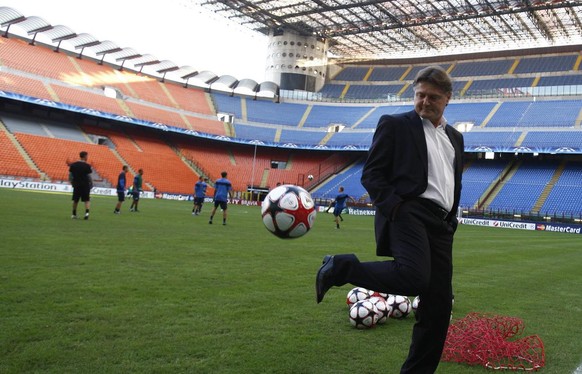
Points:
x=324 y=279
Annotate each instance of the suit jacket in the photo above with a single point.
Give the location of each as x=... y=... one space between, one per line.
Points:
x=396 y=169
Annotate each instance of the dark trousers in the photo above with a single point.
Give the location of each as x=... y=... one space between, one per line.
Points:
x=421 y=244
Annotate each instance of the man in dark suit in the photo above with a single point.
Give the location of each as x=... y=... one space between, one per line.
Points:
x=413 y=175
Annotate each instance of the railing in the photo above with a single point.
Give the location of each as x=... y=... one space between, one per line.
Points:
x=494 y=93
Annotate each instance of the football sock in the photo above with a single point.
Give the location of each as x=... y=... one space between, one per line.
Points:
x=337 y=226
x=74 y=212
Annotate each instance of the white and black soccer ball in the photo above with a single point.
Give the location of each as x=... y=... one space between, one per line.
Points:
x=310 y=177
x=288 y=211
x=382 y=307
x=381 y=294
x=363 y=315
x=401 y=306
x=415 y=303
x=357 y=294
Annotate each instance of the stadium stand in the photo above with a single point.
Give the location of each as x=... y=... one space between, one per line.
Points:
x=520 y=191
x=546 y=64
x=482 y=68
x=26 y=86
x=478 y=176
x=13 y=163
x=564 y=198
x=555 y=113
x=513 y=120
x=53 y=155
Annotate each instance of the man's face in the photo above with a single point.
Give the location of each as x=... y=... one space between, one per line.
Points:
x=430 y=101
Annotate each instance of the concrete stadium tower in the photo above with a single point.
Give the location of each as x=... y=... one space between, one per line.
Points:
x=296 y=62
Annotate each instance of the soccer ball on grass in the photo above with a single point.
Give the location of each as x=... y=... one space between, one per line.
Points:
x=356 y=294
x=363 y=314
x=382 y=308
x=401 y=306
x=288 y=211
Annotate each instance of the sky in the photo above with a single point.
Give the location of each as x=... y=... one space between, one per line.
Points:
x=175 y=30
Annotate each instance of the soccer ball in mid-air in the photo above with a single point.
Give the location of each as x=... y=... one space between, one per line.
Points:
x=363 y=314
x=310 y=177
x=288 y=211
x=401 y=306
x=382 y=307
x=357 y=294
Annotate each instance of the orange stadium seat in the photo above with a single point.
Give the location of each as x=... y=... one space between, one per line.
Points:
x=53 y=155
x=25 y=86
x=190 y=99
x=86 y=99
x=152 y=114
x=12 y=161
x=19 y=55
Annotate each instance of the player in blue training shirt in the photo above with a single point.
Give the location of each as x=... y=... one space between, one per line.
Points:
x=199 y=195
x=222 y=191
x=121 y=183
x=339 y=204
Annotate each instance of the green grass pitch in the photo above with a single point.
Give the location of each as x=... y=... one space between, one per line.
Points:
x=162 y=291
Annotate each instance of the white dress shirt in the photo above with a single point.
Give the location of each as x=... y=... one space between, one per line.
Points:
x=441 y=159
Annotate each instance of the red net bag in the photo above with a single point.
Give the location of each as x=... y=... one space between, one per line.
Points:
x=492 y=341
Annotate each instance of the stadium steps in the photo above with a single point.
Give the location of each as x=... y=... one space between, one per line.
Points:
x=265 y=178
x=51 y=92
x=548 y=188
x=278 y=134
x=521 y=138
x=123 y=161
x=22 y=152
x=364 y=117
x=229 y=129
x=368 y=73
x=125 y=107
x=305 y=116
x=326 y=138
x=168 y=94
x=491 y=114
x=514 y=66
x=344 y=171
x=244 y=112
x=191 y=164
x=578 y=122
x=466 y=87
x=344 y=91
x=186 y=121
x=210 y=103
x=493 y=190
x=404 y=88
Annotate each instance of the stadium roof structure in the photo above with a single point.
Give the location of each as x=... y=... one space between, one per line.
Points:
x=372 y=30
x=31 y=27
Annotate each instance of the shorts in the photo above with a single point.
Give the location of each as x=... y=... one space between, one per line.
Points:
x=198 y=200
x=135 y=195
x=337 y=212
x=120 y=196
x=81 y=193
x=221 y=204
